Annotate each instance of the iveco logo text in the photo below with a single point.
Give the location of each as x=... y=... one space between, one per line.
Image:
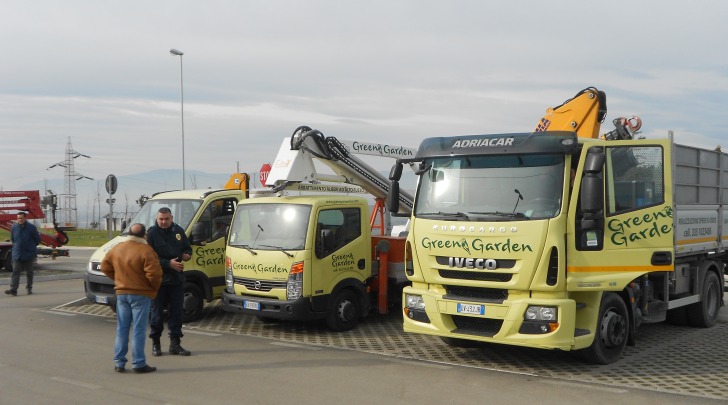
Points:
x=454 y=228
x=476 y=143
x=470 y=263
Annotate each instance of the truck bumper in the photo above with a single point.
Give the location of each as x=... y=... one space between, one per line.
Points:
x=100 y=289
x=299 y=309
x=498 y=323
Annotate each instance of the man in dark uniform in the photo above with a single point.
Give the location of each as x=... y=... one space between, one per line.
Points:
x=173 y=248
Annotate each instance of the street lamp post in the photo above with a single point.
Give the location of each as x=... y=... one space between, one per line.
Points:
x=182 y=96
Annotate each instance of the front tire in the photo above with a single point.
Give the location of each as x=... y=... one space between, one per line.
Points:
x=193 y=302
x=704 y=314
x=345 y=312
x=612 y=331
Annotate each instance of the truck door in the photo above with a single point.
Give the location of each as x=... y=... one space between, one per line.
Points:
x=208 y=240
x=339 y=253
x=633 y=233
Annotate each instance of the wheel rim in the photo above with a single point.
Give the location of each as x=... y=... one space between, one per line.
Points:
x=613 y=329
x=346 y=310
x=191 y=302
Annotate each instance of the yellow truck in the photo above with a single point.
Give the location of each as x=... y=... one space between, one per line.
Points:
x=564 y=239
x=313 y=255
x=205 y=214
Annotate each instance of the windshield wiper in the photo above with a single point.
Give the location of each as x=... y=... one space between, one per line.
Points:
x=247 y=247
x=445 y=214
x=501 y=214
x=278 y=248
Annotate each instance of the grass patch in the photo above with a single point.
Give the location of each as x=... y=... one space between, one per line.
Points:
x=81 y=237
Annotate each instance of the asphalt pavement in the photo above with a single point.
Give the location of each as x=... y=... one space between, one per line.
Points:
x=53 y=357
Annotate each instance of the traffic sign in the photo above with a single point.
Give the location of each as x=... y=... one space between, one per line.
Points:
x=264 y=171
x=111 y=184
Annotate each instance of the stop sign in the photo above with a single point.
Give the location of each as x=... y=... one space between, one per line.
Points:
x=264 y=170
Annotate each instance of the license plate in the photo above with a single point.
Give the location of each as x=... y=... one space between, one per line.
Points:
x=471 y=309
x=102 y=300
x=251 y=305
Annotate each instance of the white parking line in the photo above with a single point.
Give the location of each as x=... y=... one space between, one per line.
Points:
x=72 y=302
x=586 y=386
x=294 y=345
x=197 y=332
x=422 y=364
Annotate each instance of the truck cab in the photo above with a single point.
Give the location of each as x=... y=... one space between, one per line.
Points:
x=300 y=257
x=205 y=215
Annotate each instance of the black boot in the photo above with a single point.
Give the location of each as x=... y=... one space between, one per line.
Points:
x=156 y=347
x=175 y=348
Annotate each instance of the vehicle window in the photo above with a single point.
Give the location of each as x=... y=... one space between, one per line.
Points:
x=634 y=178
x=335 y=228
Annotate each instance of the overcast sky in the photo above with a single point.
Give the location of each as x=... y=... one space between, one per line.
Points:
x=100 y=74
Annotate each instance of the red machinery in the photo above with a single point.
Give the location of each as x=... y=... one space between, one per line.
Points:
x=12 y=202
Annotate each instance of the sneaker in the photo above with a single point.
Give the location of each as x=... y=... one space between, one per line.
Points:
x=11 y=292
x=30 y=291
x=145 y=369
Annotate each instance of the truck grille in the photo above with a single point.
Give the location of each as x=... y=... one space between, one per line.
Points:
x=476 y=326
x=492 y=295
x=476 y=275
x=98 y=288
x=502 y=263
x=259 y=285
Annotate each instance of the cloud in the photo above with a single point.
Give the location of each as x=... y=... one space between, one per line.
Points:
x=101 y=76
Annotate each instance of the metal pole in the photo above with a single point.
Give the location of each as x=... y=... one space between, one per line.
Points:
x=182 y=95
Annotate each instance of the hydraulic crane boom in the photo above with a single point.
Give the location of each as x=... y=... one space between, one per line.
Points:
x=294 y=164
x=584 y=114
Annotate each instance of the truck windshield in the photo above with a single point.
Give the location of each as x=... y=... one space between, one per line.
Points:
x=270 y=226
x=182 y=212
x=491 y=188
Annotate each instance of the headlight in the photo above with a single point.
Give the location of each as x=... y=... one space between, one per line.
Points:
x=414 y=301
x=538 y=313
x=94 y=268
x=294 y=285
x=229 y=282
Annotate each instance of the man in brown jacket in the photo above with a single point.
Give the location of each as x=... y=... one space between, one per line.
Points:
x=135 y=269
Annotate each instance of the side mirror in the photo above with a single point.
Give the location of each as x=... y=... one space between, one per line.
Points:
x=393 y=197
x=594 y=160
x=592 y=188
x=396 y=172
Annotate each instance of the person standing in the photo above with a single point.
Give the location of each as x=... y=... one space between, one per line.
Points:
x=134 y=267
x=25 y=239
x=173 y=248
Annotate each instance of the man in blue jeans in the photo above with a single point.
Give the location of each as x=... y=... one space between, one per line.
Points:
x=137 y=275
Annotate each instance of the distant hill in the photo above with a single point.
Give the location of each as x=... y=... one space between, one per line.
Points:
x=91 y=195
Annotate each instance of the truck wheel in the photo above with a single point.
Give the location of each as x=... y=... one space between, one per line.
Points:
x=677 y=316
x=704 y=314
x=612 y=331
x=345 y=312
x=193 y=302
